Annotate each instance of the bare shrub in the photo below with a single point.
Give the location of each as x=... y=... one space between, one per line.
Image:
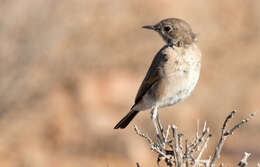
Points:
x=177 y=152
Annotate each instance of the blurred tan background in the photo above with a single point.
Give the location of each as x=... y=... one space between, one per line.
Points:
x=70 y=70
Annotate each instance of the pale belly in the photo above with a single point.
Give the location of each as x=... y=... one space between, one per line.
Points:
x=180 y=89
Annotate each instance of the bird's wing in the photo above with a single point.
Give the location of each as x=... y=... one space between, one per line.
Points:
x=153 y=75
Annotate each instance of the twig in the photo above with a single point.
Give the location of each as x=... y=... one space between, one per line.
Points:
x=225 y=133
x=241 y=123
x=243 y=162
x=143 y=135
x=178 y=152
x=197 y=130
x=169 y=147
x=202 y=150
x=195 y=145
x=167 y=133
x=154 y=147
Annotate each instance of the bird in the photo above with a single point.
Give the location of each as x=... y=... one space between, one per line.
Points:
x=173 y=74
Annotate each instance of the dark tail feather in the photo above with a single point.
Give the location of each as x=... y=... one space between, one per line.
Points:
x=126 y=120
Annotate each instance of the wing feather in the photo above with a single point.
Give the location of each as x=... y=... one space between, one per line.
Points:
x=153 y=75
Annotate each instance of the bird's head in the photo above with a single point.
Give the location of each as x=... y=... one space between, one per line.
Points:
x=174 y=32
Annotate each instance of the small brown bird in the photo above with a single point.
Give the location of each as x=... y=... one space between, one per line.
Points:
x=174 y=71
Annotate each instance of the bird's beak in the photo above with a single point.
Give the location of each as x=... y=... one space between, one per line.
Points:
x=149 y=27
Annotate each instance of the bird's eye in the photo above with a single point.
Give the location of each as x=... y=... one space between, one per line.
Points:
x=167 y=28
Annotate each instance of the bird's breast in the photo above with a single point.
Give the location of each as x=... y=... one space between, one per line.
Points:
x=181 y=74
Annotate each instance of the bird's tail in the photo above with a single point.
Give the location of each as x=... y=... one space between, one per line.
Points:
x=126 y=120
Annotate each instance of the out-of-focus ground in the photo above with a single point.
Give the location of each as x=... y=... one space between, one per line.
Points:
x=70 y=70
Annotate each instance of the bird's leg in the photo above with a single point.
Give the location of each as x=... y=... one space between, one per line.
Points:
x=160 y=126
x=153 y=117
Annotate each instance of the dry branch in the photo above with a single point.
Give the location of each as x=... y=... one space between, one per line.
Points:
x=171 y=148
x=243 y=161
